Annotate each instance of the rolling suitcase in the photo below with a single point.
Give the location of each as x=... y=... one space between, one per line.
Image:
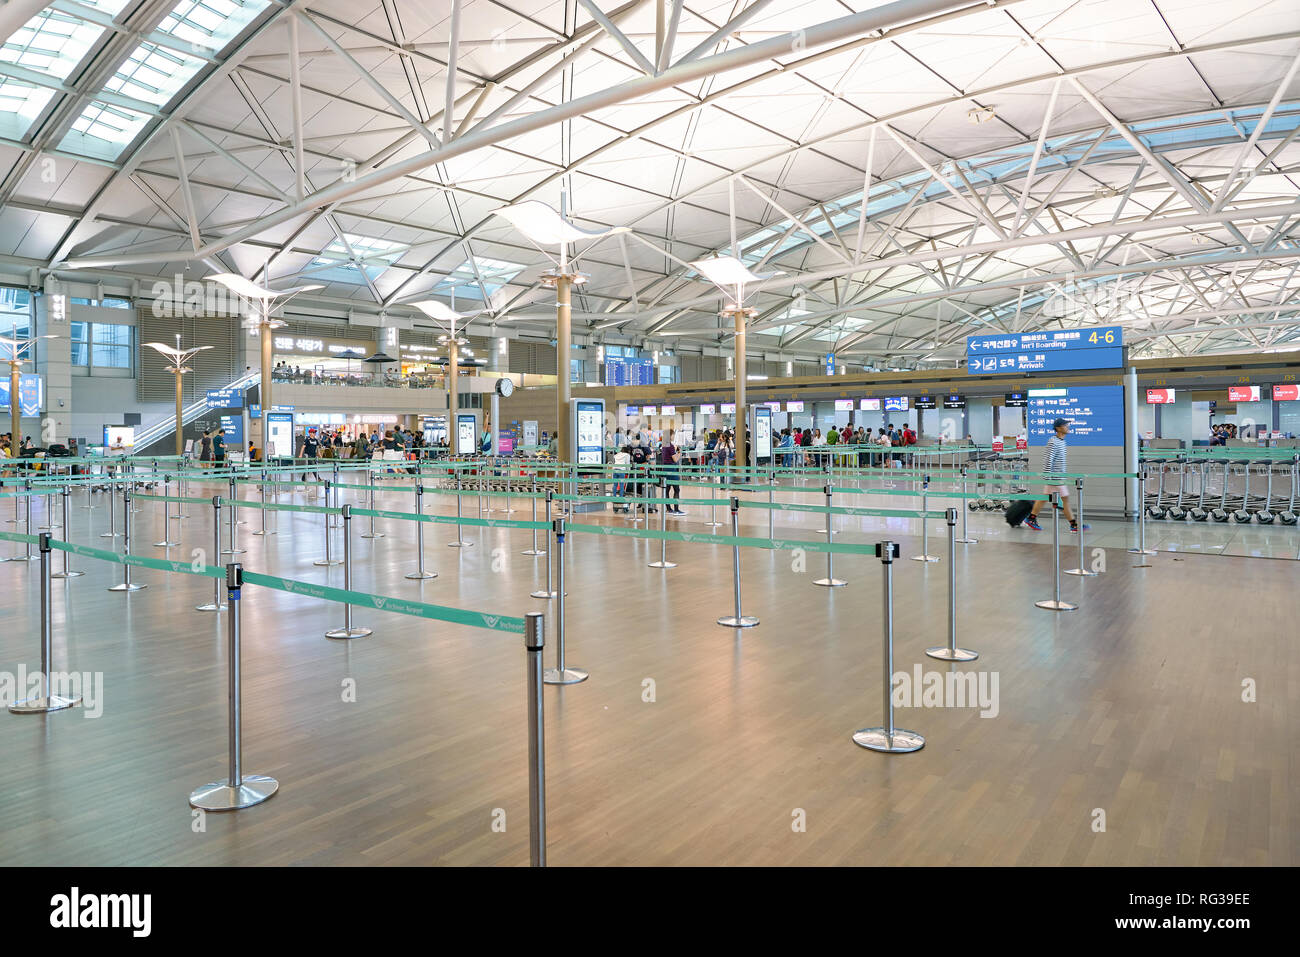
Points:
x=1018 y=511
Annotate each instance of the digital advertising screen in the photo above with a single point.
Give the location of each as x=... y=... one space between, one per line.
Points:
x=589 y=417
x=774 y=406
x=506 y=441
x=762 y=432
x=279 y=438
x=466 y=437
x=1243 y=393
x=649 y=409
x=868 y=405
x=708 y=410
x=632 y=410
x=794 y=406
x=667 y=410
x=924 y=402
x=1160 y=396
x=728 y=408
x=1096 y=414
x=31 y=394
x=896 y=403
x=843 y=405
x=119 y=435
x=1286 y=393
x=1061 y=350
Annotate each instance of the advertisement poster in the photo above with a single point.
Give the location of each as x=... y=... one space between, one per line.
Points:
x=506 y=441
x=465 y=435
x=31 y=394
x=762 y=432
x=279 y=440
x=530 y=434
x=589 y=434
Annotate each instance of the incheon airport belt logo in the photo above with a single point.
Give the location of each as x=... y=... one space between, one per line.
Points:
x=87 y=685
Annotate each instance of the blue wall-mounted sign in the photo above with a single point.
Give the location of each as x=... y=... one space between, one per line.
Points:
x=1096 y=414
x=1060 y=350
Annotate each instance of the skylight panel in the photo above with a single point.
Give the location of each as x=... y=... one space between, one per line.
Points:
x=209 y=25
x=375 y=255
x=464 y=279
x=103 y=130
x=153 y=74
x=20 y=104
x=840 y=329
x=51 y=42
x=791 y=313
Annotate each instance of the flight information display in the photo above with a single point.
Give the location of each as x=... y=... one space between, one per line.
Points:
x=1096 y=414
x=1060 y=350
x=623 y=371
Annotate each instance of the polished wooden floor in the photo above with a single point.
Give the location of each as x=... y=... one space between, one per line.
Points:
x=1131 y=705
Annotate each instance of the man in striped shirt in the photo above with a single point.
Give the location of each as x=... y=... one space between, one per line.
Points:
x=1054 y=464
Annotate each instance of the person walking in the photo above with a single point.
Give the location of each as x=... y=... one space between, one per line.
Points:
x=669 y=457
x=1054 y=465
x=310 y=450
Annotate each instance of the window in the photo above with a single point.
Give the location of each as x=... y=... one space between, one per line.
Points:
x=667 y=374
x=15 y=313
x=102 y=346
x=575 y=371
x=108 y=302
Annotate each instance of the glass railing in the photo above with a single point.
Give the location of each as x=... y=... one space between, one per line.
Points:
x=371 y=380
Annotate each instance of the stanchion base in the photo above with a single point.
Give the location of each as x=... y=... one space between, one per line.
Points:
x=879 y=739
x=127 y=586
x=967 y=541
x=830 y=582
x=232 y=551
x=546 y=594
x=376 y=535
x=330 y=561
x=569 y=676
x=925 y=558
x=1080 y=572
x=822 y=531
x=944 y=653
x=72 y=574
x=24 y=558
x=1051 y=604
x=533 y=551
x=43 y=703
x=349 y=633
x=711 y=524
x=165 y=544
x=210 y=606
x=1142 y=551
x=110 y=534
x=744 y=621
x=661 y=564
x=262 y=533
x=421 y=575
x=220 y=796
x=459 y=544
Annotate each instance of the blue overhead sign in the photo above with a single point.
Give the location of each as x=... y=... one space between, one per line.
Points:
x=1096 y=414
x=225 y=398
x=1059 y=350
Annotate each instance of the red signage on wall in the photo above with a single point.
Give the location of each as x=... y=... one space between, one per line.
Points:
x=1022 y=443
x=1243 y=393
x=997 y=444
x=1286 y=393
x=1160 y=396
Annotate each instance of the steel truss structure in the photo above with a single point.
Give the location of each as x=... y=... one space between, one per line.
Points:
x=913 y=172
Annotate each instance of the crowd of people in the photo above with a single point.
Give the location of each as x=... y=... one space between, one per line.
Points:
x=1219 y=434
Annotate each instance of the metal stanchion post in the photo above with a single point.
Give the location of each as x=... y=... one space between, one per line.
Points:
x=47 y=700
x=951 y=652
x=333 y=519
x=112 y=514
x=370 y=480
x=216 y=603
x=737 y=620
x=460 y=542
x=126 y=585
x=548 y=593
x=713 y=519
x=561 y=674
x=347 y=631
x=771 y=510
x=167 y=512
x=888 y=738
x=67 y=494
x=663 y=528
x=420 y=573
x=234 y=549
x=50 y=523
x=1054 y=603
x=1142 y=520
x=1083 y=571
x=239 y=790
x=965 y=508
x=27 y=555
x=263 y=530
x=534 y=642
x=329 y=559
x=534 y=550
x=925 y=555
x=830 y=581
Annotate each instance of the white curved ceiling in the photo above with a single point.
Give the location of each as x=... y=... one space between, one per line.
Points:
x=1030 y=163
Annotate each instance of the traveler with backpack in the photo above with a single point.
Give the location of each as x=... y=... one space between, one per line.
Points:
x=669 y=457
x=1054 y=465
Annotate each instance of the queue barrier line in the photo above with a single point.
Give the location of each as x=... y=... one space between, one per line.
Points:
x=399 y=606
x=450 y=519
x=940 y=493
x=707 y=538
